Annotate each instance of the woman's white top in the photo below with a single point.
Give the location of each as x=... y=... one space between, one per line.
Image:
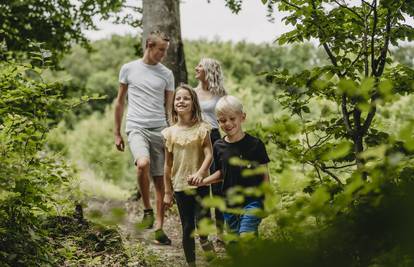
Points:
x=208 y=111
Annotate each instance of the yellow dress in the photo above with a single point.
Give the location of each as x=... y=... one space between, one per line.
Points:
x=186 y=147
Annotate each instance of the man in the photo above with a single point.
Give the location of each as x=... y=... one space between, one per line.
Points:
x=149 y=86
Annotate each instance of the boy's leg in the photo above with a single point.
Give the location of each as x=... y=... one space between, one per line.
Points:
x=143 y=180
x=186 y=207
x=139 y=146
x=249 y=224
x=217 y=191
x=232 y=222
x=157 y=171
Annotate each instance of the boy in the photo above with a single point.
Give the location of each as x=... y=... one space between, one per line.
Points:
x=238 y=144
x=150 y=87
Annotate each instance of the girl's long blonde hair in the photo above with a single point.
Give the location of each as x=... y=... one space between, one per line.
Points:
x=196 y=116
x=214 y=76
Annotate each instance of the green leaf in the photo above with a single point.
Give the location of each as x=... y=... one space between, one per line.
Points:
x=366 y=86
x=348 y=87
x=377 y=152
x=214 y=202
x=385 y=88
x=319 y=198
x=338 y=151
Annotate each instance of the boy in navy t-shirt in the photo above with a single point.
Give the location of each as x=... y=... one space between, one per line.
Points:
x=251 y=152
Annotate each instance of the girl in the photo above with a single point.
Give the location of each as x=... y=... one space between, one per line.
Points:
x=209 y=90
x=188 y=155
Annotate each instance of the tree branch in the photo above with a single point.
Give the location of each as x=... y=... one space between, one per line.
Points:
x=319 y=174
x=349 y=9
x=383 y=56
x=345 y=115
x=339 y=167
x=324 y=44
x=336 y=178
x=374 y=29
x=369 y=119
x=368 y=4
x=290 y=4
x=370 y=115
x=353 y=62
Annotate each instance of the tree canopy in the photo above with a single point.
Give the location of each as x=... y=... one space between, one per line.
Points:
x=58 y=24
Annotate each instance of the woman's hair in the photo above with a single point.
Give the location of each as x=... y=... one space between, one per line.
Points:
x=227 y=104
x=196 y=116
x=214 y=76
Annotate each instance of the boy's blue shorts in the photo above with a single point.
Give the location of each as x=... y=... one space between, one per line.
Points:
x=246 y=222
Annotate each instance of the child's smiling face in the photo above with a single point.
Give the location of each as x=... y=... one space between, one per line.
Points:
x=183 y=102
x=230 y=122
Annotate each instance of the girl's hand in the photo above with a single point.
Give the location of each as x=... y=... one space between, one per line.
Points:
x=194 y=179
x=168 y=200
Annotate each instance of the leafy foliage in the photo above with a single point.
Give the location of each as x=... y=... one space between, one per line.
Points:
x=353 y=170
x=56 y=24
x=33 y=183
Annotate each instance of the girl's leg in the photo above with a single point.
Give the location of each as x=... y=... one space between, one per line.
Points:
x=186 y=207
x=200 y=211
x=203 y=213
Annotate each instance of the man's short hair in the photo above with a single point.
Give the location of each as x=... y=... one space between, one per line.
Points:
x=153 y=36
x=229 y=103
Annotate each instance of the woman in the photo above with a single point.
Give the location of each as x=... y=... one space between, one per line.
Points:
x=209 y=90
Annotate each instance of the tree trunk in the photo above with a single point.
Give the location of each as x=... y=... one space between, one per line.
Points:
x=164 y=15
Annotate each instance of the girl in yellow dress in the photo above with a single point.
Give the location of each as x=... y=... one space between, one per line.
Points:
x=188 y=155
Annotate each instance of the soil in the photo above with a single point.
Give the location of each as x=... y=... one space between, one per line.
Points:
x=162 y=255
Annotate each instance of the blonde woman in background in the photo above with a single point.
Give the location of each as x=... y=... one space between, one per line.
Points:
x=209 y=90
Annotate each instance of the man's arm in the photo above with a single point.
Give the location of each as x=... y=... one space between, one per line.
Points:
x=119 y=112
x=168 y=104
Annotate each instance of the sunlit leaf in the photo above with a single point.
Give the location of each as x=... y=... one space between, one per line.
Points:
x=338 y=151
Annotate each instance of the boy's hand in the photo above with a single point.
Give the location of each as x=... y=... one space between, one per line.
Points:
x=119 y=142
x=168 y=200
x=194 y=179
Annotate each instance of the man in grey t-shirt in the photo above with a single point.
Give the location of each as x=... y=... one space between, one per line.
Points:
x=149 y=86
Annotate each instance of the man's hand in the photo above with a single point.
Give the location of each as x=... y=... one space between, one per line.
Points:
x=168 y=200
x=119 y=142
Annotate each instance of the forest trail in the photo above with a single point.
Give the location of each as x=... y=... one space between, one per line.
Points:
x=161 y=255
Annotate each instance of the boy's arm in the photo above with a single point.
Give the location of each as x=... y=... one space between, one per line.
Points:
x=213 y=178
x=208 y=157
x=168 y=196
x=168 y=104
x=119 y=112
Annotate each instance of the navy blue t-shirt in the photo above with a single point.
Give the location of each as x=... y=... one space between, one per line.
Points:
x=250 y=149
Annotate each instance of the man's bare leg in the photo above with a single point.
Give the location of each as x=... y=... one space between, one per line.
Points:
x=143 y=175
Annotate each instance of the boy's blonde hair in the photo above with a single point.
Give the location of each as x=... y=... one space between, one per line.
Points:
x=196 y=116
x=229 y=103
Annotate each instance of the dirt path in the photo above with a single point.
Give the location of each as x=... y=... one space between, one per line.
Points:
x=166 y=255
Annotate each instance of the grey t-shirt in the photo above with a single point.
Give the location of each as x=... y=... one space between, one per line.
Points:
x=146 y=93
x=208 y=111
